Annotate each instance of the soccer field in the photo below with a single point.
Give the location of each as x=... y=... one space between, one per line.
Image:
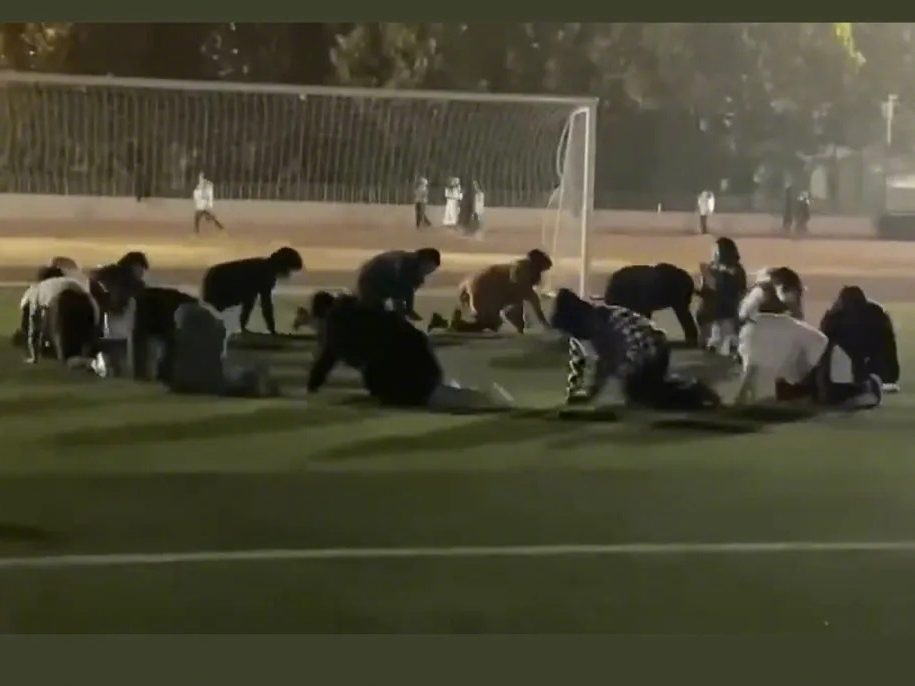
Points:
x=125 y=509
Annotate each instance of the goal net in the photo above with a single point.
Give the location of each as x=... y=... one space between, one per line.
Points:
x=103 y=136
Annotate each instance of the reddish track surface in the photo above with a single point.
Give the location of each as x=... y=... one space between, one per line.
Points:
x=885 y=268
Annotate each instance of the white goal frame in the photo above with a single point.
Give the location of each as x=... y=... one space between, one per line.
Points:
x=585 y=107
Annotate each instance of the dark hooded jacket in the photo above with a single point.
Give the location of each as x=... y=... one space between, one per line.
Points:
x=242 y=282
x=864 y=330
x=396 y=360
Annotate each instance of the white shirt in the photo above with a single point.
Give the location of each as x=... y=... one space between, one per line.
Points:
x=203 y=196
x=453 y=193
x=706 y=203
x=782 y=345
x=40 y=295
x=479 y=202
x=421 y=192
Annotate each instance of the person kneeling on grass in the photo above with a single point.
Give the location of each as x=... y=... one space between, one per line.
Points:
x=647 y=289
x=628 y=347
x=864 y=330
x=498 y=293
x=232 y=288
x=198 y=364
x=394 y=277
x=60 y=310
x=804 y=362
x=396 y=360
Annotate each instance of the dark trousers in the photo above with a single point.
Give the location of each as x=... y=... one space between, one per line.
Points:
x=421 y=218
x=646 y=384
x=703 y=223
x=209 y=216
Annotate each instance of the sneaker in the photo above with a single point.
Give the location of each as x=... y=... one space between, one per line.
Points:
x=437 y=321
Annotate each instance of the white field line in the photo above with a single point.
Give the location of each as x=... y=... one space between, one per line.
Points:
x=459 y=552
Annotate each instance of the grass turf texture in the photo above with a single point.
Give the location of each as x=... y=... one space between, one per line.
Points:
x=90 y=466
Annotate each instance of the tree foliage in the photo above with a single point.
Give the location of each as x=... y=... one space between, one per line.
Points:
x=744 y=91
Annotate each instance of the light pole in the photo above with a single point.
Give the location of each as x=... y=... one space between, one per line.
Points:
x=889 y=108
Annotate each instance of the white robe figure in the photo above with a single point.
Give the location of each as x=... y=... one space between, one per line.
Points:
x=453 y=195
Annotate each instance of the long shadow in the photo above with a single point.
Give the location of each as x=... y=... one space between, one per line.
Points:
x=495 y=429
x=24 y=533
x=61 y=402
x=727 y=421
x=265 y=420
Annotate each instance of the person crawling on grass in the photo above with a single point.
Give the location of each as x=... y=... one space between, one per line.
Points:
x=645 y=289
x=497 y=294
x=804 y=362
x=232 y=288
x=59 y=310
x=864 y=330
x=198 y=365
x=779 y=290
x=396 y=360
x=394 y=277
x=137 y=262
x=629 y=349
x=20 y=336
x=723 y=286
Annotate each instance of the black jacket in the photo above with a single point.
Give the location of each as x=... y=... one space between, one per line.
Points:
x=646 y=288
x=396 y=359
x=240 y=283
x=865 y=332
x=394 y=275
x=155 y=318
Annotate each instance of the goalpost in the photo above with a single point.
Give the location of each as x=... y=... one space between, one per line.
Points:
x=105 y=136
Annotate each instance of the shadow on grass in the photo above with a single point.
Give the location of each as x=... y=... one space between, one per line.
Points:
x=24 y=533
x=725 y=422
x=264 y=420
x=64 y=401
x=501 y=428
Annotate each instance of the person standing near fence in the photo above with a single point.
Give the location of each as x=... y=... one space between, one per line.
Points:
x=420 y=200
x=453 y=197
x=706 y=206
x=203 y=203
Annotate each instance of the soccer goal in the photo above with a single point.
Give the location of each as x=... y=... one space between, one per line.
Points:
x=102 y=136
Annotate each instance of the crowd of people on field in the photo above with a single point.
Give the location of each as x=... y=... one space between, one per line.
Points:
x=113 y=323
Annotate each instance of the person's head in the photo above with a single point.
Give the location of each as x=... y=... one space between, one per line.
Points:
x=430 y=259
x=725 y=252
x=477 y=187
x=321 y=302
x=540 y=262
x=65 y=264
x=572 y=315
x=135 y=261
x=45 y=273
x=113 y=287
x=285 y=261
x=851 y=298
x=786 y=280
x=201 y=179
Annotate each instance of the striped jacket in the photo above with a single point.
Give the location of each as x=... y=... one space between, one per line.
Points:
x=624 y=342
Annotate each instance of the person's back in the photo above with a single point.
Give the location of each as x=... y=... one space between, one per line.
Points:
x=396 y=359
x=382 y=275
x=197 y=364
x=232 y=283
x=864 y=330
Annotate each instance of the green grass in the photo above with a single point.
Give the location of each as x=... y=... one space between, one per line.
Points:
x=92 y=466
